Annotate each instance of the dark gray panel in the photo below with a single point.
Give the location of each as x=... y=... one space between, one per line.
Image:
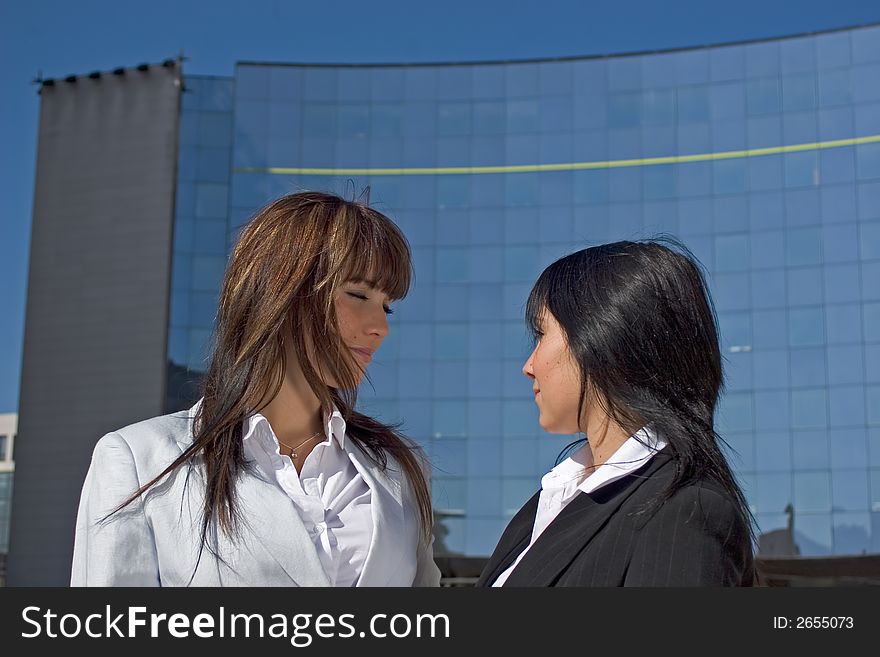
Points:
x=97 y=308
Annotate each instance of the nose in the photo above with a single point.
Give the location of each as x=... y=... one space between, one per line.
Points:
x=527 y=368
x=378 y=325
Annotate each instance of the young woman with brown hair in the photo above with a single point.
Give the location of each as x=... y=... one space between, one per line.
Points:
x=272 y=478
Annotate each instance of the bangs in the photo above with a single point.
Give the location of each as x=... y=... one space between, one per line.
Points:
x=380 y=255
x=536 y=305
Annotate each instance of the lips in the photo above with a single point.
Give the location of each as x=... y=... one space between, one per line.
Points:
x=363 y=353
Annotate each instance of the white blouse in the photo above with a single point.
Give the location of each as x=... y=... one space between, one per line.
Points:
x=563 y=483
x=329 y=493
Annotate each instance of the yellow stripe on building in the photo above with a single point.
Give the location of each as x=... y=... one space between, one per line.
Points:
x=564 y=166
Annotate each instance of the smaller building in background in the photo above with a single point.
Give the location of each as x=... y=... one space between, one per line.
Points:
x=8 y=428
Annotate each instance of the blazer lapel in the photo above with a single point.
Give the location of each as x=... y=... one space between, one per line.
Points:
x=386 y=495
x=514 y=540
x=271 y=523
x=575 y=527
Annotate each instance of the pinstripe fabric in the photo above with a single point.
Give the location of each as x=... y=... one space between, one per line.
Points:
x=696 y=538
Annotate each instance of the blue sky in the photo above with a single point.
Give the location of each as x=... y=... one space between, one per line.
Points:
x=57 y=38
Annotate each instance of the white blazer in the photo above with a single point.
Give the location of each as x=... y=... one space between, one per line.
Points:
x=154 y=541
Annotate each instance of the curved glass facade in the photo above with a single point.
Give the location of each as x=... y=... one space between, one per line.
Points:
x=764 y=158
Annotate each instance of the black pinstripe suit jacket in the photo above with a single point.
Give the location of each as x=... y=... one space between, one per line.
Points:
x=696 y=538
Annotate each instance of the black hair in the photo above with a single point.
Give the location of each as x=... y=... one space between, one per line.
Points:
x=640 y=324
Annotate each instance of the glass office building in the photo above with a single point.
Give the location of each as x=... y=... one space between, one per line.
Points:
x=763 y=158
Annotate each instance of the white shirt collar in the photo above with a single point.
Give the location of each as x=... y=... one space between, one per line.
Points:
x=257 y=425
x=564 y=478
x=629 y=457
x=562 y=484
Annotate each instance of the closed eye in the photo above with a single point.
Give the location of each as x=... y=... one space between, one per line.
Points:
x=358 y=295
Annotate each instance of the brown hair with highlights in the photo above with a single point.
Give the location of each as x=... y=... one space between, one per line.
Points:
x=280 y=284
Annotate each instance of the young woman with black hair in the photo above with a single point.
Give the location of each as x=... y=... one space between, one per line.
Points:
x=627 y=353
x=272 y=478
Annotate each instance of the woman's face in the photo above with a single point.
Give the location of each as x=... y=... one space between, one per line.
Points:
x=362 y=312
x=555 y=379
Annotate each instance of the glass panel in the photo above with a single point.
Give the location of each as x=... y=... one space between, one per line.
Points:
x=769 y=329
x=450 y=419
x=451 y=265
x=874 y=475
x=840 y=243
x=519 y=458
x=852 y=533
x=765 y=173
x=731 y=291
x=833 y=49
x=768 y=289
x=773 y=451
x=849 y=448
x=873 y=404
x=805 y=327
x=735 y=413
x=740 y=450
x=871 y=314
x=809 y=409
x=798 y=92
x=771 y=369
x=624 y=110
x=484 y=418
x=773 y=492
x=846 y=406
x=449 y=494
x=813 y=534
x=843 y=324
x=803 y=247
x=872 y=363
x=799 y=128
x=810 y=449
x=766 y=210
x=763 y=96
x=842 y=283
x=869 y=241
x=693 y=104
x=812 y=492
x=484 y=379
x=729 y=176
x=522 y=116
x=834 y=88
x=808 y=367
x=484 y=495
x=454 y=119
x=450 y=341
x=520 y=418
x=658 y=107
x=411 y=380
x=801 y=169
x=450 y=379
x=771 y=410
x=735 y=329
x=516 y=491
x=766 y=247
x=764 y=132
x=211 y=200
x=845 y=364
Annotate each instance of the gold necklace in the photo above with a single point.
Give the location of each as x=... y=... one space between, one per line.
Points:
x=293 y=449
